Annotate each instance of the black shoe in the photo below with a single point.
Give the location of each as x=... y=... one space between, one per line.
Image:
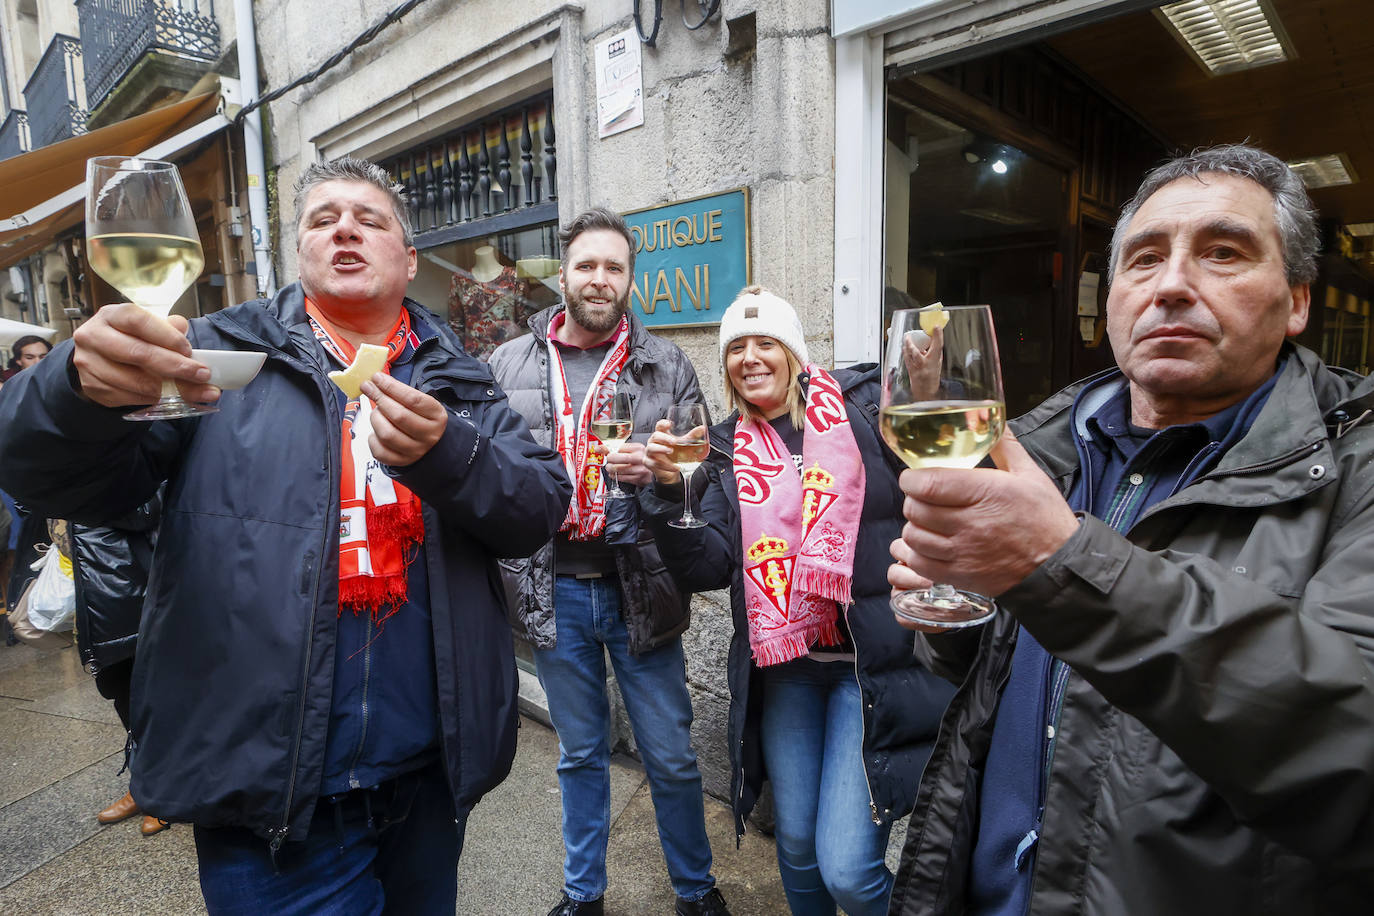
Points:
x=713 y=904
x=570 y=907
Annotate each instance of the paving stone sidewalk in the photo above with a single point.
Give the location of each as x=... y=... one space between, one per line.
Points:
x=61 y=747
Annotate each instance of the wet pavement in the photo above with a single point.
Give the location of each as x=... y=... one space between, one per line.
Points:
x=61 y=747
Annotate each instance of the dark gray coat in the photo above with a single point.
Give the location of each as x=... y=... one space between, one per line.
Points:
x=657 y=376
x=1214 y=751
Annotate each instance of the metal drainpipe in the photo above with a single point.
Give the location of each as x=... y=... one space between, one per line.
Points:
x=253 y=160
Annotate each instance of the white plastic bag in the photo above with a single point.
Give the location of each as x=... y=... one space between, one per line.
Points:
x=52 y=600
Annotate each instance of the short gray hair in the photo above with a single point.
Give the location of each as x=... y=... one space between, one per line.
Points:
x=347 y=168
x=1293 y=211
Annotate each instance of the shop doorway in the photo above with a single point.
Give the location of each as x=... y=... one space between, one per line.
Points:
x=1005 y=172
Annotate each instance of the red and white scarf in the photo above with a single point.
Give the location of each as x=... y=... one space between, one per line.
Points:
x=586 y=517
x=380 y=518
x=799 y=532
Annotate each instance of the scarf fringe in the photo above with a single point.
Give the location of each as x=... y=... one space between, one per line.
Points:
x=786 y=646
x=401 y=521
x=376 y=595
x=825 y=583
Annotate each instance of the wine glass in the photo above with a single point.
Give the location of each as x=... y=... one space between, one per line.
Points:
x=690 y=446
x=613 y=426
x=942 y=407
x=142 y=239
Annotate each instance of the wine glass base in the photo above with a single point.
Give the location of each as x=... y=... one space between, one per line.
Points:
x=954 y=612
x=616 y=494
x=687 y=523
x=171 y=409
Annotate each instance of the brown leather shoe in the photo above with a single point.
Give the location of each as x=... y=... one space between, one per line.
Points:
x=152 y=825
x=124 y=808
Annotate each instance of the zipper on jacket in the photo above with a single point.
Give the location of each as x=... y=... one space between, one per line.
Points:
x=279 y=834
x=367 y=684
x=863 y=738
x=1058 y=676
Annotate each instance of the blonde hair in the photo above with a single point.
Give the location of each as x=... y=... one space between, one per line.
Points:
x=793 y=397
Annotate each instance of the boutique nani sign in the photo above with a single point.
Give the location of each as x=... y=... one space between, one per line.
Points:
x=691 y=259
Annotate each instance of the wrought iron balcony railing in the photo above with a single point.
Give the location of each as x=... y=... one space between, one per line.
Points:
x=14 y=134
x=501 y=171
x=55 y=94
x=117 y=33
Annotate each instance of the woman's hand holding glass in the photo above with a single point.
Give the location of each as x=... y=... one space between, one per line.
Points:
x=657 y=459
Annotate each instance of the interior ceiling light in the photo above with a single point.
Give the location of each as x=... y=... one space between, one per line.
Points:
x=1228 y=35
x=1323 y=171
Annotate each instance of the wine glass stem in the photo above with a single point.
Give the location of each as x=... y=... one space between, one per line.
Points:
x=170 y=392
x=687 y=498
x=943 y=591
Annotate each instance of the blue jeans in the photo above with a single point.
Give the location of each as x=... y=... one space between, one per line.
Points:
x=405 y=861
x=829 y=850
x=654 y=685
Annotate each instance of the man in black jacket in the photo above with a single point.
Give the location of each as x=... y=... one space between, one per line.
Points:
x=325 y=683
x=600 y=586
x=1173 y=709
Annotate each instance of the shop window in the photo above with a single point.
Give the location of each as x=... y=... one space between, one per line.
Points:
x=483 y=200
x=487 y=288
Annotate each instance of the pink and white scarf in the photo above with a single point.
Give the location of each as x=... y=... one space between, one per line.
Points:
x=799 y=533
x=586 y=517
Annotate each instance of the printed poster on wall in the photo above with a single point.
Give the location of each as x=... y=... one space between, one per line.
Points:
x=619 y=84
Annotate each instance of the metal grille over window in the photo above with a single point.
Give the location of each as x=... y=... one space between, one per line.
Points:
x=117 y=33
x=502 y=168
x=55 y=93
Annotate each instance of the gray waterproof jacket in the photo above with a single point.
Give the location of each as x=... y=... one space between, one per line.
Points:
x=657 y=376
x=1213 y=751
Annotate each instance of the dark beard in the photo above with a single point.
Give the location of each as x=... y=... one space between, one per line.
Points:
x=594 y=321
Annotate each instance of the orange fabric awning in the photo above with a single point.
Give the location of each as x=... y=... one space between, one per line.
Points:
x=41 y=192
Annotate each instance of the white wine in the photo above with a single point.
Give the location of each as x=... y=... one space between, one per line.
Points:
x=612 y=433
x=943 y=434
x=152 y=270
x=688 y=453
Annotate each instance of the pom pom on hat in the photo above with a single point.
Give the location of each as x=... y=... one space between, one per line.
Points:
x=756 y=311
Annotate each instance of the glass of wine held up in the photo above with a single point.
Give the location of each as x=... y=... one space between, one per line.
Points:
x=942 y=407
x=141 y=239
x=613 y=426
x=690 y=447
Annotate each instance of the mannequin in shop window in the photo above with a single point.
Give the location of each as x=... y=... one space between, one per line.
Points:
x=489 y=304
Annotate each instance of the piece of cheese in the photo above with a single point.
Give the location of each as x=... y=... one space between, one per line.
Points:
x=368 y=361
x=932 y=317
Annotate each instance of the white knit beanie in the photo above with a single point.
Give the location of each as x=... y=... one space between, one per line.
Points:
x=757 y=311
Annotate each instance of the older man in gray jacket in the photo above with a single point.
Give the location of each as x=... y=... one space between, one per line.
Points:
x=1173 y=711
x=599 y=587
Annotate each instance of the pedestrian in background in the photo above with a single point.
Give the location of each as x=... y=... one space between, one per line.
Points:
x=110 y=565
x=827 y=702
x=26 y=352
x=599 y=586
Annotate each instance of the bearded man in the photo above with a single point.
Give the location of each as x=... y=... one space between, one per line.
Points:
x=599 y=584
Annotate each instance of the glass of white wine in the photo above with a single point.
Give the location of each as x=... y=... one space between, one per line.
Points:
x=613 y=427
x=141 y=239
x=942 y=408
x=690 y=447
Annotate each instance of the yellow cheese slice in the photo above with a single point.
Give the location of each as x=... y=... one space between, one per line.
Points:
x=369 y=360
x=932 y=317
